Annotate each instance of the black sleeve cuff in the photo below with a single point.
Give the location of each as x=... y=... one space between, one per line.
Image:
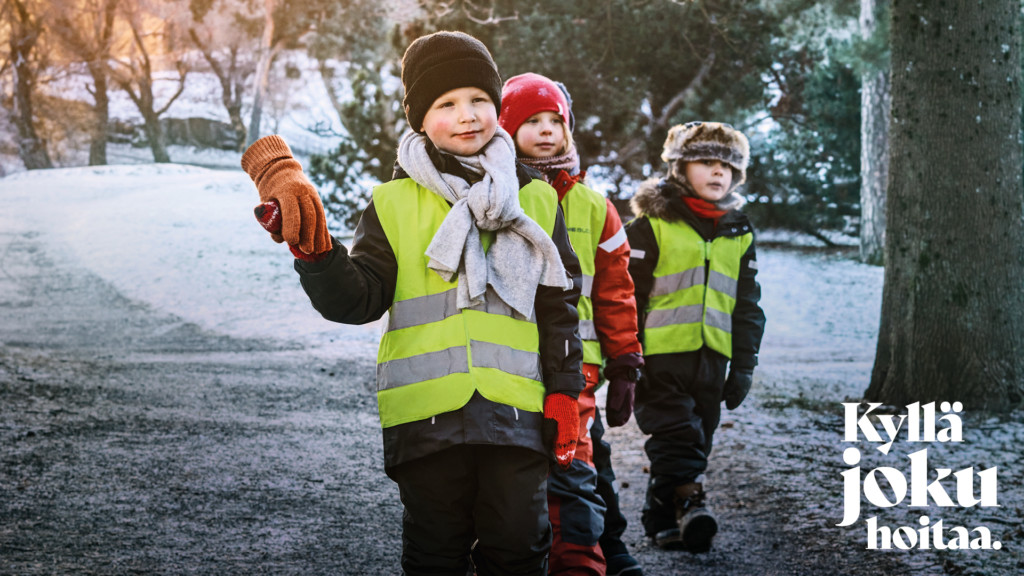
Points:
x=321 y=265
x=565 y=383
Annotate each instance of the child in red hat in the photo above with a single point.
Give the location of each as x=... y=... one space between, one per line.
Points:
x=582 y=504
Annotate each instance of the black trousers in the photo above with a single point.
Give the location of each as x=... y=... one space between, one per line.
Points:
x=494 y=496
x=678 y=403
x=614 y=520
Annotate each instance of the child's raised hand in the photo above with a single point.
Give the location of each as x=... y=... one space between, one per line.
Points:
x=278 y=177
x=268 y=215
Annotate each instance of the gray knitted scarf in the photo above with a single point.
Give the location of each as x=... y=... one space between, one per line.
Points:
x=522 y=255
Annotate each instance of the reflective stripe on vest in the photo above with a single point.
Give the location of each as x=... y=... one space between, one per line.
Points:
x=585 y=211
x=433 y=356
x=694 y=290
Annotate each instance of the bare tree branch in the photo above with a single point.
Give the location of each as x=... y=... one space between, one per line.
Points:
x=677 y=101
x=182 y=73
x=660 y=121
x=491 y=19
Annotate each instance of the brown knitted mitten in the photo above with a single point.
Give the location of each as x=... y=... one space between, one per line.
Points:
x=278 y=177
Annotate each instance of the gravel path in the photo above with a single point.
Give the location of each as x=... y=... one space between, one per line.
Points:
x=134 y=442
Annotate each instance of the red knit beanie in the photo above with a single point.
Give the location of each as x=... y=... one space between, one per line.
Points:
x=527 y=94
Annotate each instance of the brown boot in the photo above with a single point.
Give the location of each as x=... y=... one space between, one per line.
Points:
x=697 y=525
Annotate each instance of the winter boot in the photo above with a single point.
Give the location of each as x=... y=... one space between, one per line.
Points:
x=623 y=565
x=697 y=525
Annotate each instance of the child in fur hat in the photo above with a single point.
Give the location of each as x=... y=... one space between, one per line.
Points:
x=582 y=502
x=694 y=265
x=479 y=365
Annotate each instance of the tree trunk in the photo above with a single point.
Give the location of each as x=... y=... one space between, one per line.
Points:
x=22 y=40
x=101 y=117
x=155 y=134
x=30 y=147
x=86 y=31
x=262 y=74
x=874 y=147
x=232 y=81
x=952 y=326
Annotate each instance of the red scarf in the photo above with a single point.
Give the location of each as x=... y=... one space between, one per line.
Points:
x=704 y=209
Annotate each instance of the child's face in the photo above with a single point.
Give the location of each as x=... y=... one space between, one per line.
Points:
x=541 y=135
x=461 y=121
x=711 y=179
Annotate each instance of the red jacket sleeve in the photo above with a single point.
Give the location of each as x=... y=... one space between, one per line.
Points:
x=612 y=292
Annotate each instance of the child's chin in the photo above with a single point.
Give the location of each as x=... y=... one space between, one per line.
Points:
x=465 y=149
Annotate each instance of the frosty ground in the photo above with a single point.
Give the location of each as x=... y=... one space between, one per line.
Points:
x=170 y=404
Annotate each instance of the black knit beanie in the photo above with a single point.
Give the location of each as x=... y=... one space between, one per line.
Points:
x=443 y=61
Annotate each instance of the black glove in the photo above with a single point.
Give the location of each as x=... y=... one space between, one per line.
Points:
x=622 y=374
x=736 y=386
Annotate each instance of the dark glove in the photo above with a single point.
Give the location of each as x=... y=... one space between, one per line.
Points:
x=562 y=412
x=736 y=386
x=622 y=373
x=268 y=215
x=278 y=177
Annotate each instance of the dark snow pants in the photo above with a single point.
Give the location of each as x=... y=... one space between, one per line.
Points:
x=614 y=519
x=495 y=496
x=678 y=403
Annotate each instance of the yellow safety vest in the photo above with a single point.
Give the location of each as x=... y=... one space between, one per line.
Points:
x=694 y=291
x=434 y=356
x=585 y=211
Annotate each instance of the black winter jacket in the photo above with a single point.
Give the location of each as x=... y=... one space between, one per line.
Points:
x=662 y=199
x=358 y=286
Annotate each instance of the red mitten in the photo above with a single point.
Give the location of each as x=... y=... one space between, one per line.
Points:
x=268 y=215
x=565 y=412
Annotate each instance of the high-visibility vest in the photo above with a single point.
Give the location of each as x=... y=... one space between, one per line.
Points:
x=694 y=290
x=434 y=356
x=585 y=211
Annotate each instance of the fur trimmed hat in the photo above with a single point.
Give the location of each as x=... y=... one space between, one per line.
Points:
x=527 y=94
x=709 y=141
x=443 y=61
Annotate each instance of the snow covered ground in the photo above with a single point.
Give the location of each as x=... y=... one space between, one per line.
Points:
x=182 y=239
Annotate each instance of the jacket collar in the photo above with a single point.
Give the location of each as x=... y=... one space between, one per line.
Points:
x=662 y=198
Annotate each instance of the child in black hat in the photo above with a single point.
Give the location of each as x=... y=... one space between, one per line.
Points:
x=478 y=369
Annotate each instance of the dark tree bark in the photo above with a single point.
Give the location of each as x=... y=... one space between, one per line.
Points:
x=24 y=36
x=87 y=32
x=952 y=325
x=232 y=83
x=874 y=147
x=135 y=76
x=101 y=117
x=269 y=50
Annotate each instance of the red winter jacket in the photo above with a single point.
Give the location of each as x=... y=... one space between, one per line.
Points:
x=615 y=318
